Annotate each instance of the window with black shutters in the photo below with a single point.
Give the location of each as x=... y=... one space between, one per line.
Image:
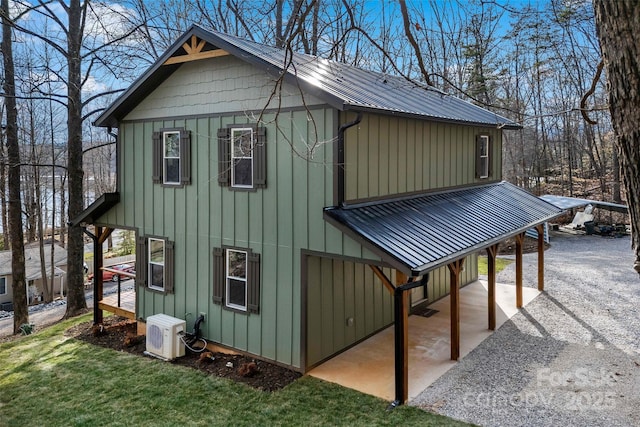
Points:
x=155 y=263
x=172 y=157
x=236 y=281
x=242 y=163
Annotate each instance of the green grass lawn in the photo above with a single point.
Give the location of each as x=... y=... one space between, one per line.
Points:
x=501 y=263
x=49 y=379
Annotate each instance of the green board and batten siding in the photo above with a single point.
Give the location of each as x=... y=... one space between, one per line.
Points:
x=277 y=222
x=387 y=155
x=347 y=303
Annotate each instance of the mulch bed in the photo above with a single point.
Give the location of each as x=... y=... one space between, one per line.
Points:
x=120 y=334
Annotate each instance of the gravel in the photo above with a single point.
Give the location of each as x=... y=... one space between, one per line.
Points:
x=570 y=357
x=44 y=314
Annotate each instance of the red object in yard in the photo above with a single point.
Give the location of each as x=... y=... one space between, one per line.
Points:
x=113 y=276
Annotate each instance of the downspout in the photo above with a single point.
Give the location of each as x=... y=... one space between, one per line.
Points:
x=340 y=181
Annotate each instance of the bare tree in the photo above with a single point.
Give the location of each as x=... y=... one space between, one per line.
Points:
x=617 y=24
x=16 y=238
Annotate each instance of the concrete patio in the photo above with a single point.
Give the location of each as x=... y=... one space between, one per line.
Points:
x=369 y=366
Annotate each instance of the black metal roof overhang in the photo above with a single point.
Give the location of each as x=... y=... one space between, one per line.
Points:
x=96 y=209
x=420 y=233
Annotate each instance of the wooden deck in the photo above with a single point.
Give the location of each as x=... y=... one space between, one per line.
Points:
x=127 y=306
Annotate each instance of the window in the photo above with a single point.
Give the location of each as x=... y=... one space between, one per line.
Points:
x=242 y=157
x=3 y=285
x=483 y=161
x=236 y=279
x=172 y=157
x=154 y=263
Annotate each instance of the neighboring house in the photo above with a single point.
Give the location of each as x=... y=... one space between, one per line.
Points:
x=33 y=272
x=292 y=257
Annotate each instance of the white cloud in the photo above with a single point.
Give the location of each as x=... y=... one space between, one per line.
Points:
x=108 y=21
x=93 y=86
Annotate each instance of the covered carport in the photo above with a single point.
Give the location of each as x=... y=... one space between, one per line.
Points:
x=417 y=234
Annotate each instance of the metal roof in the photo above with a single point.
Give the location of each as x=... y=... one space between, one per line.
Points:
x=340 y=85
x=574 y=202
x=423 y=232
x=96 y=209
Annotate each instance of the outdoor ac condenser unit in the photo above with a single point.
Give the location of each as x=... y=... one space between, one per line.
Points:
x=164 y=335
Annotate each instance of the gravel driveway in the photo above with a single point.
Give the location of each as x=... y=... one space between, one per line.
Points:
x=569 y=358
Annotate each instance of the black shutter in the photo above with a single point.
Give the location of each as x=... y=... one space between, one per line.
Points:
x=489 y=155
x=218 y=275
x=185 y=157
x=478 y=161
x=169 y=263
x=224 y=157
x=141 y=261
x=260 y=158
x=157 y=157
x=253 y=283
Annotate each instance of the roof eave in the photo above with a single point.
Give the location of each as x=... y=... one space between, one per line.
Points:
x=410 y=115
x=96 y=209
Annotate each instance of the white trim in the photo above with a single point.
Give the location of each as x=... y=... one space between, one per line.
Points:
x=3 y=278
x=228 y=278
x=150 y=263
x=233 y=157
x=164 y=158
x=484 y=140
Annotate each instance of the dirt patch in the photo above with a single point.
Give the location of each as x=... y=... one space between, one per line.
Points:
x=120 y=334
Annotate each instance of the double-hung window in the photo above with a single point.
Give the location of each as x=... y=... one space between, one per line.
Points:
x=242 y=158
x=483 y=159
x=172 y=157
x=3 y=285
x=154 y=263
x=242 y=163
x=236 y=281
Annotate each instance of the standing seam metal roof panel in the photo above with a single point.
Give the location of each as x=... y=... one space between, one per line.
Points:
x=423 y=232
x=343 y=86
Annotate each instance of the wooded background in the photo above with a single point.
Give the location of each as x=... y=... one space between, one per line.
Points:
x=539 y=65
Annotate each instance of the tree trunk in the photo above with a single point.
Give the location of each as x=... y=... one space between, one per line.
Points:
x=616 y=195
x=76 y=302
x=616 y=22
x=3 y=195
x=16 y=236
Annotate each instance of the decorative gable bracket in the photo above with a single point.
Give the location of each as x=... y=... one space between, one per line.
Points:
x=194 y=48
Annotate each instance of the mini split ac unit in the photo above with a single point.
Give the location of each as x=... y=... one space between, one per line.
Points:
x=164 y=336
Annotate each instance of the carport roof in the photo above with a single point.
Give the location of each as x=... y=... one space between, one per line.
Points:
x=574 y=202
x=420 y=233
